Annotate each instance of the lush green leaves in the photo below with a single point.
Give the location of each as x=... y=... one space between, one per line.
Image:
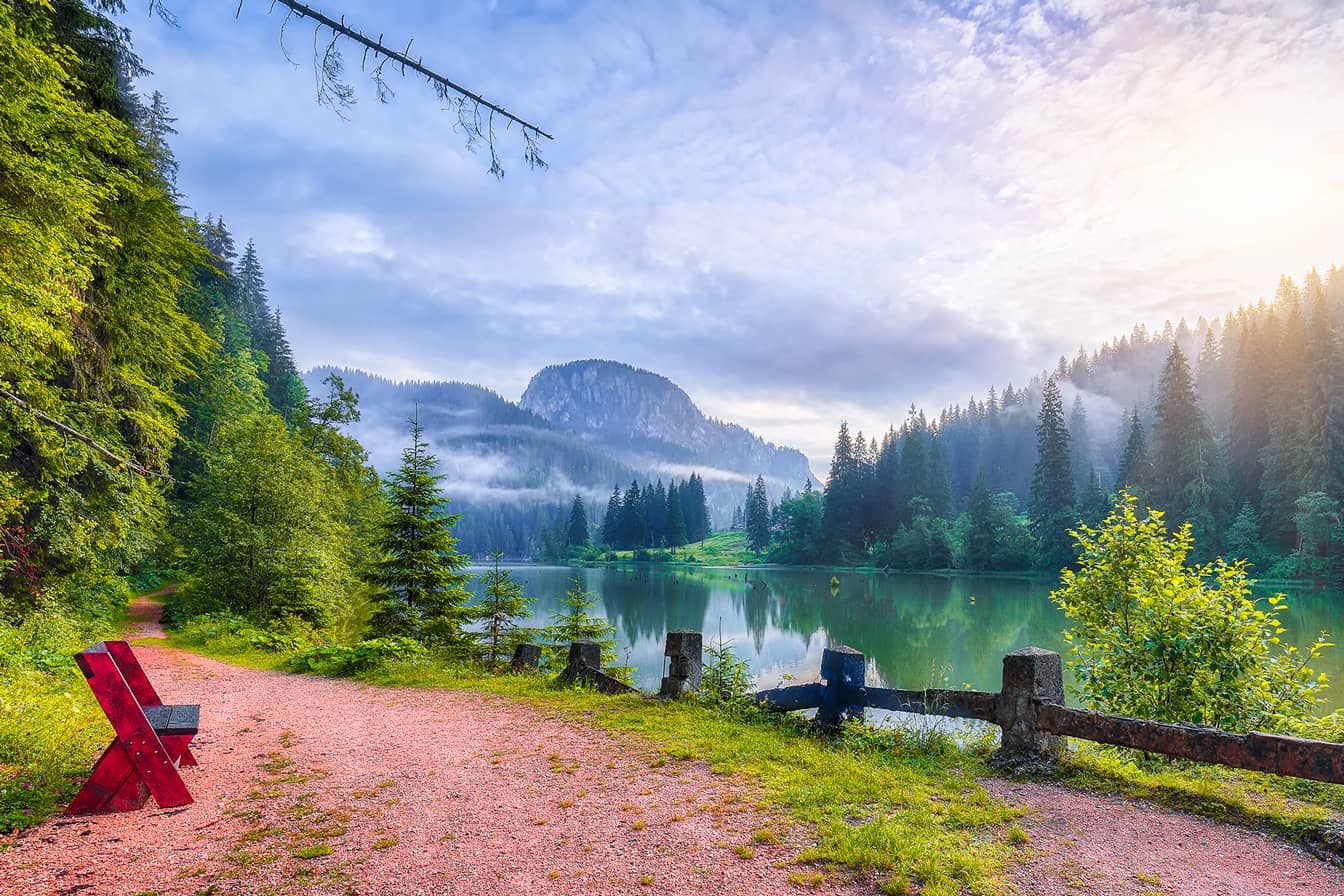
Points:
x=1155 y=638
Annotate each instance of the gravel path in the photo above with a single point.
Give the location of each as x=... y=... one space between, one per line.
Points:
x=321 y=786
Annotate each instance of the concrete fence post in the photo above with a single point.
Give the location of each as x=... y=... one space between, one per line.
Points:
x=585 y=654
x=1029 y=675
x=526 y=656
x=685 y=652
x=843 y=670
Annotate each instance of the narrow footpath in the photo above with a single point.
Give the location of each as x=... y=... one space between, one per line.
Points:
x=323 y=786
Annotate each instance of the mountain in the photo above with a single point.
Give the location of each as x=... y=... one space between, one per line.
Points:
x=510 y=468
x=647 y=416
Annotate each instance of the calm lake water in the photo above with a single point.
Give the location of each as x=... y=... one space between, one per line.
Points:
x=916 y=630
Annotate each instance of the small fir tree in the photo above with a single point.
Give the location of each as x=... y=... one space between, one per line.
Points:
x=504 y=604
x=419 y=582
x=575 y=623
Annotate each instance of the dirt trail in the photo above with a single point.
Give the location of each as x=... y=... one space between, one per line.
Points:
x=321 y=786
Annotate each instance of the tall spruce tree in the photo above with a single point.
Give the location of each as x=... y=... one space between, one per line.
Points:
x=634 y=527
x=979 y=537
x=419 y=582
x=1052 y=496
x=1133 y=460
x=611 y=523
x=1185 y=478
x=576 y=536
x=758 y=518
x=676 y=519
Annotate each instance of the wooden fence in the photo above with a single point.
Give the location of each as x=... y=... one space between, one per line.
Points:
x=1029 y=708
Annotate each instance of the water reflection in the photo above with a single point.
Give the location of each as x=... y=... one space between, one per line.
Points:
x=914 y=629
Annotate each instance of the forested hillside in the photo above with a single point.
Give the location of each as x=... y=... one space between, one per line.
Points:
x=1233 y=425
x=152 y=423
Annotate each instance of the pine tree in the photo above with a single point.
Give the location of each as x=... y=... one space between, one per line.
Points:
x=979 y=537
x=758 y=518
x=1052 y=496
x=634 y=528
x=1184 y=478
x=1248 y=433
x=841 y=508
x=1081 y=441
x=575 y=623
x=611 y=523
x=576 y=535
x=1243 y=539
x=1092 y=502
x=419 y=580
x=1132 y=466
x=1319 y=460
x=676 y=520
x=502 y=605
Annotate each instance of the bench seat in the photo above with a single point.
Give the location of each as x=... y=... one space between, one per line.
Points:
x=169 y=721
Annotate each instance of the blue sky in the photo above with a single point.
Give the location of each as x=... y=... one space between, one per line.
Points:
x=798 y=212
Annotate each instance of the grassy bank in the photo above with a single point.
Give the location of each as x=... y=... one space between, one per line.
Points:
x=51 y=728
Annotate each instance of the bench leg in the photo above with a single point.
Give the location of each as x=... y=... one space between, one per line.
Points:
x=113 y=786
x=178 y=751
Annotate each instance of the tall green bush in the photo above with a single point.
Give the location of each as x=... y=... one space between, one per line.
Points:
x=1155 y=638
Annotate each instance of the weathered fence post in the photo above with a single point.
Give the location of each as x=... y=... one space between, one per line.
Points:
x=1029 y=674
x=843 y=669
x=526 y=656
x=686 y=664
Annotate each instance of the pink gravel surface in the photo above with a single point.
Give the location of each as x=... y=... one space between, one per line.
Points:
x=393 y=791
x=1085 y=843
x=412 y=792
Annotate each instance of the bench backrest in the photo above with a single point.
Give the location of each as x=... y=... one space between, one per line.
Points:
x=133 y=673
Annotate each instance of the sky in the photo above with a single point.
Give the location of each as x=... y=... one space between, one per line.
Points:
x=800 y=213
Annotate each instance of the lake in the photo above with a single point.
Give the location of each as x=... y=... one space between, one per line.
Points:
x=916 y=630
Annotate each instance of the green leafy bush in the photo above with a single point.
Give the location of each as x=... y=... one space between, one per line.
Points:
x=1157 y=639
x=50 y=726
x=338 y=659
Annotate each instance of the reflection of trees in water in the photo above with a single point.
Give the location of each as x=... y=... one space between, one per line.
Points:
x=907 y=625
x=646 y=604
x=913 y=627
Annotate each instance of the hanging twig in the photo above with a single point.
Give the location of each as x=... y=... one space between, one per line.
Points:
x=332 y=91
x=87 y=440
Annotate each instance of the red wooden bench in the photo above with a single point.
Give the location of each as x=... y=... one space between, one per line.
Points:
x=151 y=740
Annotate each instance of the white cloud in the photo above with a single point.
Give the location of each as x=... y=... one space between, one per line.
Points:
x=799 y=213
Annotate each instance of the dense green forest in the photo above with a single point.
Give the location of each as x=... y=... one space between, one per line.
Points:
x=1233 y=426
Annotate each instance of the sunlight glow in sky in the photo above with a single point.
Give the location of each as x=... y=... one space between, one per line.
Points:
x=797 y=213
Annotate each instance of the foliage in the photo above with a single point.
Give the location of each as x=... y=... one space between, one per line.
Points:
x=574 y=623
x=50 y=724
x=1157 y=639
x=725 y=677
x=419 y=576
x=341 y=659
x=261 y=536
x=1052 y=493
x=758 y=518
x=502 y=605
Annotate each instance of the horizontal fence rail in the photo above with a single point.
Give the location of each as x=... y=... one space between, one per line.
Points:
x=1293 y=757
x=1029 y=709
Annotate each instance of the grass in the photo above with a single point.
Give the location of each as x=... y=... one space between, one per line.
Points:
x=51 y=728
x=895 y=802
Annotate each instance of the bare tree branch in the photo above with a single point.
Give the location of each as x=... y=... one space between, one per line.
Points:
x=333 y=91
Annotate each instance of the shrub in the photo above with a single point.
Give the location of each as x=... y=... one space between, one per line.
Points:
x=1157 y=639
x=725 y=678
x=338 y=659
